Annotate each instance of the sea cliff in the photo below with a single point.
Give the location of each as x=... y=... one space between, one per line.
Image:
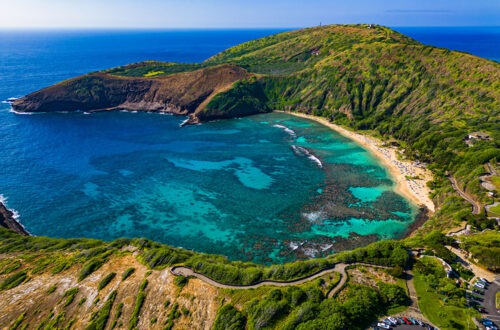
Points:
x=8 y=220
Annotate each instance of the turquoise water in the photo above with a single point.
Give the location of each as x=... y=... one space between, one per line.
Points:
x=267 y=188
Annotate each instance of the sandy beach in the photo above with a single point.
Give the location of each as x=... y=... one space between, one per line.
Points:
x=402 y=171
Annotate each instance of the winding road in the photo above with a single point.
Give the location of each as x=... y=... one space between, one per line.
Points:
x=476 y=207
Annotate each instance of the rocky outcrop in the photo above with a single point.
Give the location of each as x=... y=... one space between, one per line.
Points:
x=182 y=93
x=7 y=220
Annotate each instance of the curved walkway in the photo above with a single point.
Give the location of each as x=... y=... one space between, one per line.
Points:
x=491 y=169
x=476 y=207
x=338 y=268
x=186 y=272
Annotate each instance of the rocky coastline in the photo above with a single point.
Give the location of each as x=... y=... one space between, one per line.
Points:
x=7 y=220
x=422 y=217
x=184 y=94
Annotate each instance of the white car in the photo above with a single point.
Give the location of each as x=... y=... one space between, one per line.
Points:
x=479 y=285
x=393 y=320
x=383 y=325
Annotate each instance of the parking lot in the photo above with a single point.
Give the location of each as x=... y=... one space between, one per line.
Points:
x=400 y=323
x=489 y=301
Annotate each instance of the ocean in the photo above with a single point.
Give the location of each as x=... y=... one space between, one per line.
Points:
x=245 y=188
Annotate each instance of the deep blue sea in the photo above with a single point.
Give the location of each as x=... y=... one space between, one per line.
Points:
x=267 y=188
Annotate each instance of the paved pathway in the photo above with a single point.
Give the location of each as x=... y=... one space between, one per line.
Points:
x=491 y=169
x=476 y=207
x=478 y=271
x=186 y=272
x=338 y=268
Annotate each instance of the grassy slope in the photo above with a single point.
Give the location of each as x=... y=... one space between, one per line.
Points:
x=53 y=293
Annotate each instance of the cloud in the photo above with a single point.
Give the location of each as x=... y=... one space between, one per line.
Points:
x=418 y=11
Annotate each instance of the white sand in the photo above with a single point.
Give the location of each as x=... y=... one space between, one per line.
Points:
x=415 y=190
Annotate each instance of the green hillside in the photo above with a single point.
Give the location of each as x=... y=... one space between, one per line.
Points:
x=373 y=78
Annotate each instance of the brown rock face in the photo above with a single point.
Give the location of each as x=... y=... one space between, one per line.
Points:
x=183 y=93
x=8 y=221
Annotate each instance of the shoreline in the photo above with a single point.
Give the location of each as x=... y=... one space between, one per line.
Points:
x=414 y=190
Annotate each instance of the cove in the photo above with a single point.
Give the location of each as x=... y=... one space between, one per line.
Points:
x=265 y=188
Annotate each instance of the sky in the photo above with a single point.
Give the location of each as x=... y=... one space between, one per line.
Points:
x=244 y=13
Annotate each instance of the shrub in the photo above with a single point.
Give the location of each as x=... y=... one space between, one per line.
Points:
x=229 y=318
x=106 y=280
x=181 y=281
x=14 y=280
x=100 y=318
x=126 y=274
x=70 y=296
x=90 y=267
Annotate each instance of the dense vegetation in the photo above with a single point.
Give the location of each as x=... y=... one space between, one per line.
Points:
x=485 y=247
x=384 y=253
x=439 y=297
x=306 y=307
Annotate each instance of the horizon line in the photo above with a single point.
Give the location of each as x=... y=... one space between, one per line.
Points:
x=19 y=28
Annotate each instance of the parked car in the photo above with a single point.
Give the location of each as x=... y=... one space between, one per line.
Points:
x=393 y=320
x=486 y=322
x=383 y=325
x=484 y=280
x=406 y=320
x=481 y=310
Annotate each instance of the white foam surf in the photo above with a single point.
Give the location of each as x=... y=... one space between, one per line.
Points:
x=184 y=122
x=23 y=113
x=310 y=252
x=300 y=151
x=295 y=245
x=10 y=100
x=291 y=132
x=15 y=214
x=314 y=216
x=326 y=247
